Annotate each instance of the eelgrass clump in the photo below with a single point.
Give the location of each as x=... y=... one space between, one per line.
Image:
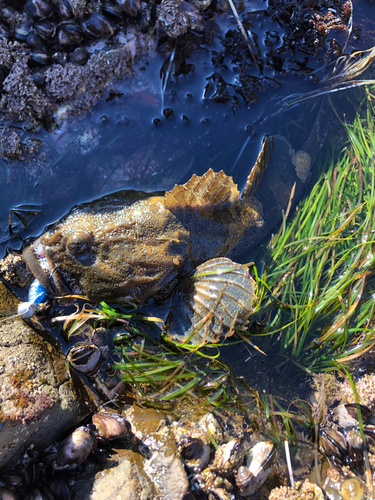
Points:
x=316 y=294
x=159 y=374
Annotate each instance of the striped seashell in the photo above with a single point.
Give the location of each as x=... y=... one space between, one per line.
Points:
x=213 y=302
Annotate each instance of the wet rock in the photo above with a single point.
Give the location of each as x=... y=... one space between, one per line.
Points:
x=37 y=399
x=21 y=98
x=164 y=467
x=13 y=269
x=176 y=17
x=302 y=491
x=78 y=86
x=10 y=144
x=126 y=481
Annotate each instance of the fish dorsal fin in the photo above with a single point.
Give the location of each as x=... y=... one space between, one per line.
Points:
x=211 y=190
x=259 y=168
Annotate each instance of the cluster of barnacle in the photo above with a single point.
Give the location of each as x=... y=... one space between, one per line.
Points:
x=223 y=461
x=46 y=475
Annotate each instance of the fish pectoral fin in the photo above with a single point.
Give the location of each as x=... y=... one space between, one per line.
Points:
x=211 y=190
x=259 y=168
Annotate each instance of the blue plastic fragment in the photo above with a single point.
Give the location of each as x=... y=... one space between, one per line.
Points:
x=37 y=293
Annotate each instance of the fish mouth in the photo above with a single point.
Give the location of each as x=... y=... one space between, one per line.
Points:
x=45 y=271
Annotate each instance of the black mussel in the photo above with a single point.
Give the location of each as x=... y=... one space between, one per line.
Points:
x=74 y=450
x=229 y=456
x=213 y=302
x=65 y=8
x=354 y=456
x=110 y=426
x=332 y=443
x=112 y=9
x=366 y=413
x=59 y=487
x=98 y=26
x=40 y=55
x=45 y=29
x=69 y=34
x=369 y=430
x=22 y=30
x=80 y=55
x=33 y=40
x=130 y=7
x=5 y=32
x=87 y=358
x=38 y=8
x=260 y=463
x=195 y=453
x=39 y=77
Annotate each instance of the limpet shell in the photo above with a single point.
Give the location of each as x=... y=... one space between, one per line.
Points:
x=212 y=302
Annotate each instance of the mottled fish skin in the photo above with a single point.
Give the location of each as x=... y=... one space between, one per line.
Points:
x=132 y=246
x=136 y=246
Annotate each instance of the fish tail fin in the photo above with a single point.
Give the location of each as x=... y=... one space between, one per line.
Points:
x=259 y=168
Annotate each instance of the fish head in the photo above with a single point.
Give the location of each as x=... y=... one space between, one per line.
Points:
x=110 y=250
x=60 y=259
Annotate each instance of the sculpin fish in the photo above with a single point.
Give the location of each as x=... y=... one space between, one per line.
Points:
x=136 y=246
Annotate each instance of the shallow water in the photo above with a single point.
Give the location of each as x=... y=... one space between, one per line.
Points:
x=146 y=134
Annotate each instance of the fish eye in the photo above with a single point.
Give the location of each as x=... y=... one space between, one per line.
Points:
x=78 y=244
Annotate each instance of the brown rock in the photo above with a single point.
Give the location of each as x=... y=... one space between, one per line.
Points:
x=127 y=481
x=164 y=468
x=37 y=399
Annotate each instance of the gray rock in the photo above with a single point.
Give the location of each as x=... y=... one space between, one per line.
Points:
x=38 y=401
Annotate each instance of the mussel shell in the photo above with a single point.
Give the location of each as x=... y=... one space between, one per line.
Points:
x=195 y=453
x=332 y=443
x=112 y=9
x=369 y=430
x=40 y=55
x=216 y=299
x=74 y=450
x=69 y=34
x=110 y=425
x=130 y=7
x=229 y=456
x=65 y=9
x=87 y=358
x=211 y=425
x=22 y=30
x=45 y=29
x=259 y=466
x=33 y=40
x=98 y=26
x=38 y=8
x=351 y=408
x=80 y=55
x=39 y=77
